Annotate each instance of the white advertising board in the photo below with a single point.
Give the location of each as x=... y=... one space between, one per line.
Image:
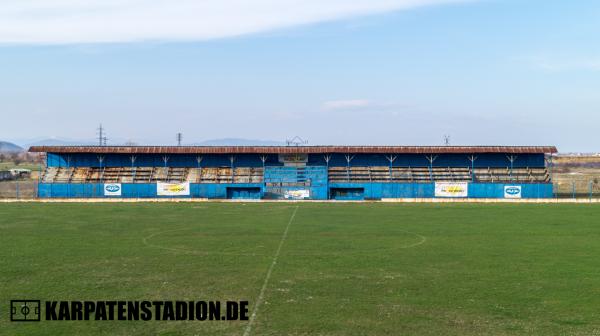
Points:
x=451 y=189
x=172 y=189
x=512 y=191
x=112 y=189
x=297 y=194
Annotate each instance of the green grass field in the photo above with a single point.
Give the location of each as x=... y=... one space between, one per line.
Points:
x=6 y=165
x=342 y=269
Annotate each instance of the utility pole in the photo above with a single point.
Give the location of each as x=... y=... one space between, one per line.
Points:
x=101 y=136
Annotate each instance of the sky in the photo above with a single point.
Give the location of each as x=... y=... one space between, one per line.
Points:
x=395 y=72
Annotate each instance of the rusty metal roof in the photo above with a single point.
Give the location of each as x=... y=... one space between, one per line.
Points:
x=294 y=149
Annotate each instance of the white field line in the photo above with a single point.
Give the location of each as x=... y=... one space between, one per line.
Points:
x=422 y=239
x=146 y=242
x=261 y=295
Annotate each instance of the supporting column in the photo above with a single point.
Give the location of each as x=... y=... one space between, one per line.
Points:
x=199 y=159
x=391 y=158
x=472 y=158
x=512 y=159
x=263 y=159
x=132 y=158
x=348 y=159
x=231 y=161
x=327 y=158
x=100 y=160
x=431 y=158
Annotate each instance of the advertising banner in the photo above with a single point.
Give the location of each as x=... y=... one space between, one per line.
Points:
x=512 y=191
x=112 y=189
x=451 y=189
x=297 y=194
x=172 y=189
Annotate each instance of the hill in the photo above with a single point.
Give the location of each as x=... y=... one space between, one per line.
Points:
x=238 y=142
x=60 y=142
x=9 y=147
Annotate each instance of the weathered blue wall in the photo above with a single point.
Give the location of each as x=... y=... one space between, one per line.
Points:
x=137 y=190
x=371 y=190
x=427 y=190
x=390 y=190
x=496 y=190
x=312 y=178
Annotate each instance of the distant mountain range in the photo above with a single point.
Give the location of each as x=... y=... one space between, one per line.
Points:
x=211 y=142
x=238 y=142
x=9 y=147
x=60 y=142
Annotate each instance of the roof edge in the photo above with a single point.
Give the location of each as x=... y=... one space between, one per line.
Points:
x=295 y=149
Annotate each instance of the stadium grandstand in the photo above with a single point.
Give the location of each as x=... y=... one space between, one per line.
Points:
x=296 y=172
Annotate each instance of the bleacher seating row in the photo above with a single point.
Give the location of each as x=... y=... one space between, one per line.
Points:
x=443 y=174
x=282 y=177
x=151 y=175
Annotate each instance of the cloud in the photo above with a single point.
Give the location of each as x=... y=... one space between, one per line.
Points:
x=98 y=21
x=564 y=64
x=366 y=106
x=350 y=104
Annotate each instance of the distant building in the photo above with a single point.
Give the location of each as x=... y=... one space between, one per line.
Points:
x=20 y=173
x=6 y=175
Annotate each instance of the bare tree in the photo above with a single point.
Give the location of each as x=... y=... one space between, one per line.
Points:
x=16 y=158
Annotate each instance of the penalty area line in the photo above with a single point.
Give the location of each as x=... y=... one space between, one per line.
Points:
x=261 y=295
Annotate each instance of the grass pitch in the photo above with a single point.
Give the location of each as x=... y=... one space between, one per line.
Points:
x=341 y=269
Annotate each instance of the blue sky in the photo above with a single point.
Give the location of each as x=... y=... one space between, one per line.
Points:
x=378 y=72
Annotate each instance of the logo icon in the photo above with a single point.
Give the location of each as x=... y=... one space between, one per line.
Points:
x=175 y=188
x=113 y=187
x=513 y=190
x=25 y=310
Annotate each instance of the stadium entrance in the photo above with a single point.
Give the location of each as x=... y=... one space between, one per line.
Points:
x=347 y=194
x=243 y=193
